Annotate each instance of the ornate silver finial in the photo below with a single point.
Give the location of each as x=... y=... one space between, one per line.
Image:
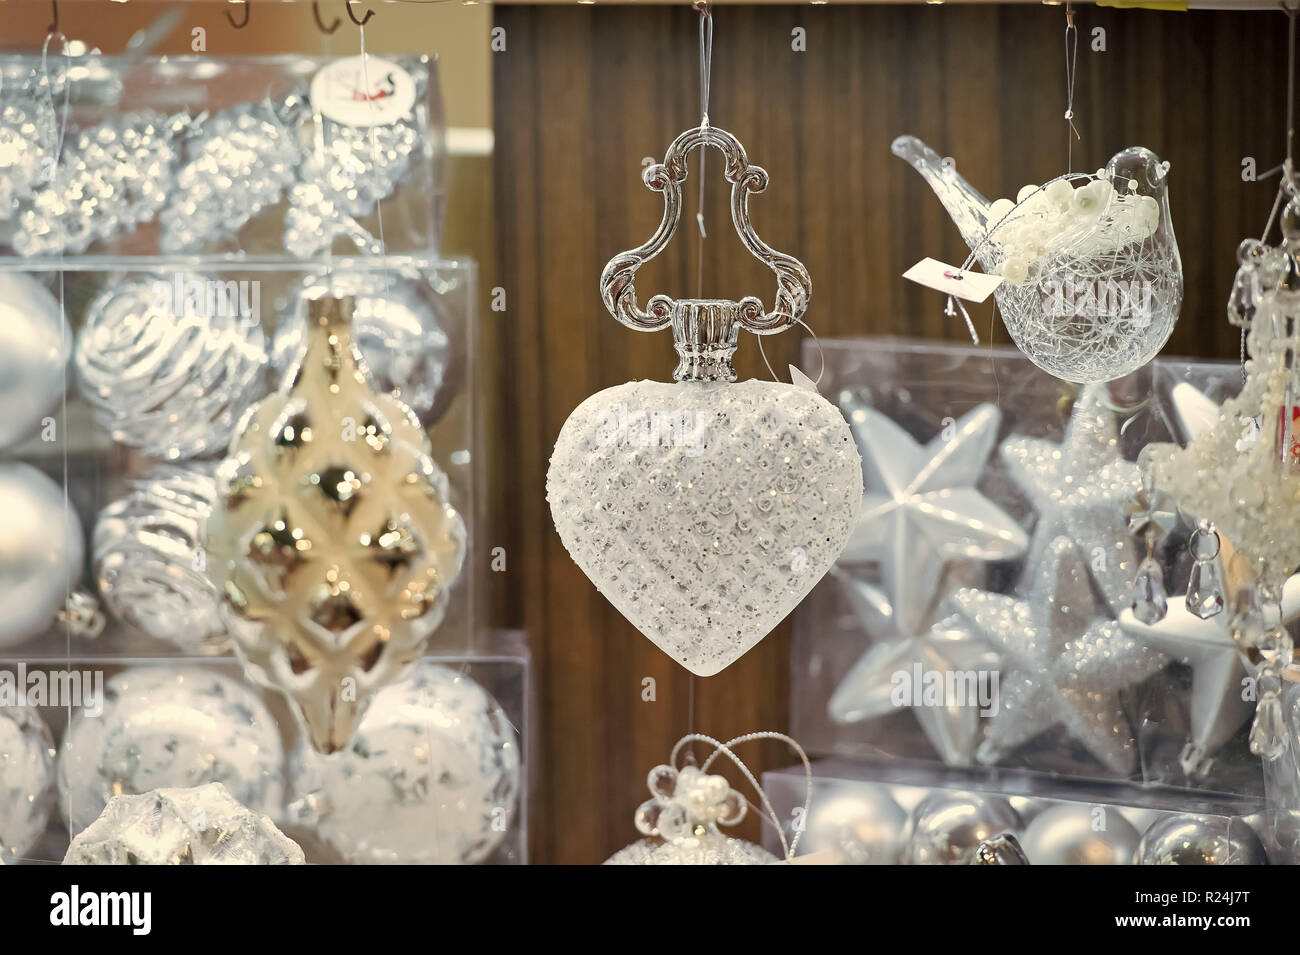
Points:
x=705 y=331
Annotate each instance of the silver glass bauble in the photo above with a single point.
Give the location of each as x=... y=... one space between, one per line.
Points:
x=398 y=325
x=431 y=775
x=170 y=726
x=170 y=362
x=34 y=346
x=41 y=552
x=946 y=828
x=861 y=825
x=1188 y=839
x=203 y=825
x=150 y=563
x=1076 y=834
x=26 y=780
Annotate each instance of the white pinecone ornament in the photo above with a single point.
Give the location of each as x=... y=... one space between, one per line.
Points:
x=705 y=510
x=332 y=540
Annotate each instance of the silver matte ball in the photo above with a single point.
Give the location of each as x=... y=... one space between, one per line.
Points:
x=946 y=828
x=1074 y=834
x=41 y=551
x=861 y=824
x=34 y=346
x=1187 y=839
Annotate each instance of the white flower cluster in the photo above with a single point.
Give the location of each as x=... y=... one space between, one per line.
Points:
x=1046 y=221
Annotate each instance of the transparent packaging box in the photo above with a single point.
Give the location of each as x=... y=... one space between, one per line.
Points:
x=842 y=697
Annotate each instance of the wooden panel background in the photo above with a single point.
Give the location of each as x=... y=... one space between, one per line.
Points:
x=582 y=94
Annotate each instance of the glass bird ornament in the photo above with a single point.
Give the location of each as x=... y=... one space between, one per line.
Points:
x=1091 y=277
x=332 y=538
x=705 y=509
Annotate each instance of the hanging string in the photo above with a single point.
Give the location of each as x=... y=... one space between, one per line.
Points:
x=706 y=75
x=1071 y=70
x=788 y=846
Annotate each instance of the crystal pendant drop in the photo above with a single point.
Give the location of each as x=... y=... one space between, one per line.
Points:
x=1267 y=735
x=1205 y=589
x=1247 y=617
x=1150 y=602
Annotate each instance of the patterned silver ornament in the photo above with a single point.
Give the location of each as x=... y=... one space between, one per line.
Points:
x=1067 y=661
x=111 y=178
x=170 y=726
x=398 y=324
x=341 y=182
x=237 y=163
x=28 y=135
x=170 y=362
x=1190 y=839
x=41 y=552
x=1075 y=834
x=26 y=779
x=202 y=825
x=430 y=777
x=150 y=562
x=946 y=828
x=35 y=342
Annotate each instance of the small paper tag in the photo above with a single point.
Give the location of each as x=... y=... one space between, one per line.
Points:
x=800 y=380
x=971 y=286
x=363 y=91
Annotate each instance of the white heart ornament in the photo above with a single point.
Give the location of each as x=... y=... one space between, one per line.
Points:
x=705 y=510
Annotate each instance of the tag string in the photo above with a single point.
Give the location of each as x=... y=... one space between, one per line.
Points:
x=1071 y=71
x=788 y=846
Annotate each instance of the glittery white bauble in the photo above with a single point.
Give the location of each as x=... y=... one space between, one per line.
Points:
x=713 y=849
x=946 y=828
x=430 y=777
x=150 y=563
x=1075 y=834
x=397 y=324
x=1189 y=839
x=28 y=134
x=705 y=511
x=203 y=825
x=170 y=362
x=26 y=780
x=166 y=726
x=41 y=552
x=34 y=346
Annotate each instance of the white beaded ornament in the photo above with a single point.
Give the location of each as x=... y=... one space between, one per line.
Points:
x=705 y=510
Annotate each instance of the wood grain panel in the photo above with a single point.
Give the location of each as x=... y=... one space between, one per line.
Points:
x=582 y=94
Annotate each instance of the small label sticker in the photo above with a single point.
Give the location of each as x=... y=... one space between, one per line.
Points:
x=971 y=286
x=363 y=91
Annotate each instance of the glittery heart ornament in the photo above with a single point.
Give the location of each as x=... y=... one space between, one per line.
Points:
x=332 y=537
x=705 y=510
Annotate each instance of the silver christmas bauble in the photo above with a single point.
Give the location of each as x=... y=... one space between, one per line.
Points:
x=34 y=347
x=26 y=780
x=203 y=825
x=1074 y=834
x=431 y=775
x=170 y=362
x=169 y=726
x=947 y=827
x=862 y=825
x=397 y=323
x=1188 y=839
x=41 y=552
x=150 y=563
x=712 y=849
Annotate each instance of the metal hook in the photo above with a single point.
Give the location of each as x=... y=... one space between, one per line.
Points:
x=248 y=11
x=1069 y=15
x=54 y=27
x=315 y=12
x=353 y=17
